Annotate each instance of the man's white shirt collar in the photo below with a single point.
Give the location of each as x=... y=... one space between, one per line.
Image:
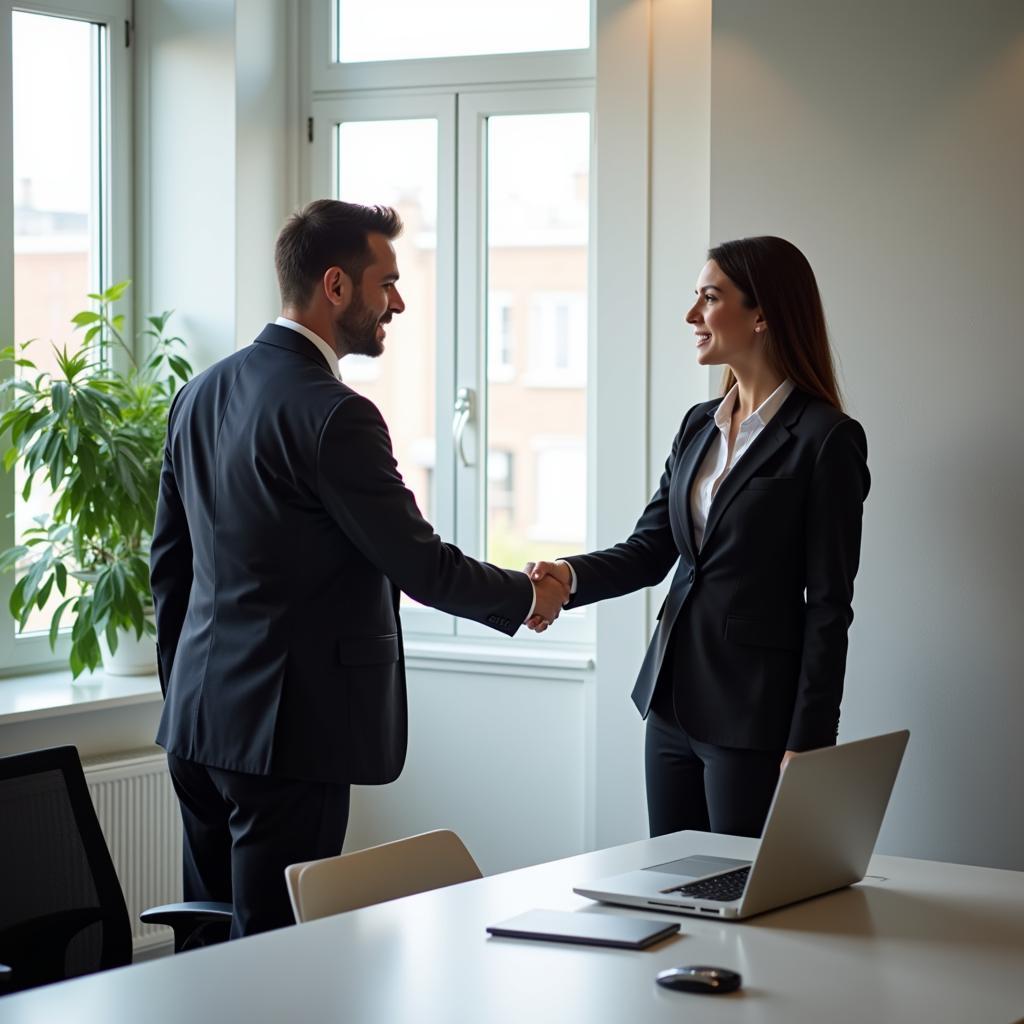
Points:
x=328 y=353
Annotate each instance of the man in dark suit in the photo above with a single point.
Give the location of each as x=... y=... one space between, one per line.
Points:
x=283 y=537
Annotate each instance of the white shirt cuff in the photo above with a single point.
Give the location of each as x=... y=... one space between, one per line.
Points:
x=572 y=573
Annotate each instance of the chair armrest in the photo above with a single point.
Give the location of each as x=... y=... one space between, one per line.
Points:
x=187 y=920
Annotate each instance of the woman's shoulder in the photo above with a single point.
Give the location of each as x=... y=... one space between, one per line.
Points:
x=698 y=414
x=821 y=427
x=818 y=416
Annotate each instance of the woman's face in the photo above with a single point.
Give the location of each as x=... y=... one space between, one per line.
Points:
x=725 y=330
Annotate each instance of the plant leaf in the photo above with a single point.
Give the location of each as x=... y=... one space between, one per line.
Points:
x=55 y=621
x=11 y=556
x=44 y=593
x=115 y=291
x=111 y=632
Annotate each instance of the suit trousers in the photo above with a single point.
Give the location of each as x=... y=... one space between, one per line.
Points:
x=702 y=786
x=242 y=831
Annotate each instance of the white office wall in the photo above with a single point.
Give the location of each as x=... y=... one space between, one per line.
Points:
x=496 y=755
x=185 y=167
x=885 y=139
x=217 y=135
x=268 y=138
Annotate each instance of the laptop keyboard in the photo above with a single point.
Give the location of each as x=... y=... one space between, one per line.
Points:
x=723 y=888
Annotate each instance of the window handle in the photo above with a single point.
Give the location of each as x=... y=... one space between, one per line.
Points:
x=464 y=407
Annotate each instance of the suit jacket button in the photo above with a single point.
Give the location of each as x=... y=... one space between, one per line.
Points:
x=693 y=575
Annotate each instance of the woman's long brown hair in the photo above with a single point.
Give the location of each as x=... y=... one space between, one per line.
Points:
x=775 y=275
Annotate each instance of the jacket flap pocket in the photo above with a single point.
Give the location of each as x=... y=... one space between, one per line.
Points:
x=368 y=650
x=757 y=633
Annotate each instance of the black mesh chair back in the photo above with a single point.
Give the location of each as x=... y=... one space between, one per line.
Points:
x=62 y=912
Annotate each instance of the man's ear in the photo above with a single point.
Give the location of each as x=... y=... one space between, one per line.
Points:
x=337 y=286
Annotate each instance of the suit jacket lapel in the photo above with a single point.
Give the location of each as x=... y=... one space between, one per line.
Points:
x=765 y=445
x=686 y=469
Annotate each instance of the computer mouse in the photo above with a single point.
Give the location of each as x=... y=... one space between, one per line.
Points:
x=709 y=980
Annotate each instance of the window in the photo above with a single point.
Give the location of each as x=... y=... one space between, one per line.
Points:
x=68 y=232
x=501 y=351
x=394 y=162
x=378 y=30
x=488 y=162
x=561 y=476
x=558 y=341
x=536 y=226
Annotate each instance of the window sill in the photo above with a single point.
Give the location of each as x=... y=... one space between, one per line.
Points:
x=52 y=694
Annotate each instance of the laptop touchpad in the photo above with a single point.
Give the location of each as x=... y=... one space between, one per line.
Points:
x=697 y=866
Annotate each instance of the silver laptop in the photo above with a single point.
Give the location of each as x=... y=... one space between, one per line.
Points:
x=819 y=836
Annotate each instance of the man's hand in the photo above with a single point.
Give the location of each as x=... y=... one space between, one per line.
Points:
x=786 y=758
x=552 y=579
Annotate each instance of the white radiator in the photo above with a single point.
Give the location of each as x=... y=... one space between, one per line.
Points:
x=138 y=813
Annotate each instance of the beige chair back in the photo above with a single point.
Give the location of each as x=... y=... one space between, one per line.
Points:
x=320 y=888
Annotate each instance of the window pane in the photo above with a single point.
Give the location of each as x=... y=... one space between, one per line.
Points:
x=406 y=29
x=57 y=187
x=394 y=163
x=537 y=234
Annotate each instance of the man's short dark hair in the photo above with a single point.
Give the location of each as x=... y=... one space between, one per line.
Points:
x=327 y=233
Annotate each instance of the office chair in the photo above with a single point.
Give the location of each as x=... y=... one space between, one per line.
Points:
x=320 y=888
x=62 y=912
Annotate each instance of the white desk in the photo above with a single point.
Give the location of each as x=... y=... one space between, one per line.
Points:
x=932 y=942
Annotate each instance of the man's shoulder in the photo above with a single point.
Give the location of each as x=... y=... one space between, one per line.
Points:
x=281 y=364
x=350 y=408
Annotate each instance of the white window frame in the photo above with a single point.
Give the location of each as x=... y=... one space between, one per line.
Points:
x=531 y=83
x=475 y=108
x=327 y=113
x=328 y=75
x=18 y=653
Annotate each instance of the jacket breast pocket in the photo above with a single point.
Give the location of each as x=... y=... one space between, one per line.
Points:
x=760 y=633
x=781 y=484
x=368 y=650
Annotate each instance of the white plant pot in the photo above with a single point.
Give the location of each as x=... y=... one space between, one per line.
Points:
x=135 y=656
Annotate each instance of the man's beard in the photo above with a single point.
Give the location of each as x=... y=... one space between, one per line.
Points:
x=356 y=330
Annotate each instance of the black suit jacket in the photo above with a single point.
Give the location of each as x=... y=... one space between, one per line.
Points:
x=283 y=535
x=761 y=612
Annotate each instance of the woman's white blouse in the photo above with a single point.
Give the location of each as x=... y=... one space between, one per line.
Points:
x=719 y=460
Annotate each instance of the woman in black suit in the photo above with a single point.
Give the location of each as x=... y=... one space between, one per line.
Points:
x=760 y=509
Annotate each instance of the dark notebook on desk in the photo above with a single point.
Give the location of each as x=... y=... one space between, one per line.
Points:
x=584 y=928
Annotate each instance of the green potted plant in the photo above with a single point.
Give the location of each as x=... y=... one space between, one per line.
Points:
x=94 y=434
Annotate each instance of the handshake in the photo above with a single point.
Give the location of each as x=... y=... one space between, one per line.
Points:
x=551 y=584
